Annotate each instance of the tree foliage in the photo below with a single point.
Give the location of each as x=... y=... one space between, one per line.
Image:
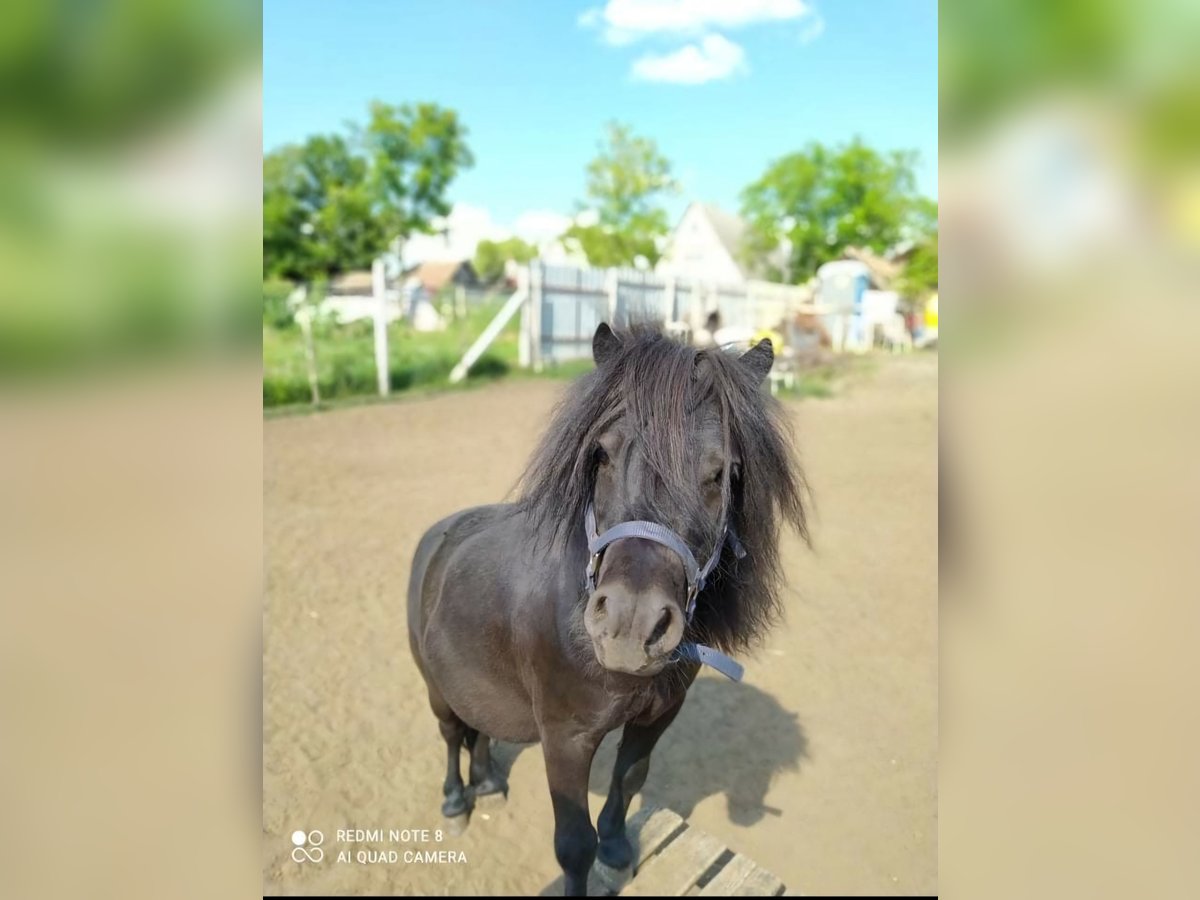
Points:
x=822 y=200
x=626 y=182
x=920 y=276
x=491 y=256
x=333 y=203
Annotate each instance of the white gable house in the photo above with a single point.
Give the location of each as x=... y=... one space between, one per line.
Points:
x=704 y=247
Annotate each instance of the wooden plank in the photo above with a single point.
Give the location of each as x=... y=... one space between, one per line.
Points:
x=761 y=883
x=648 y=830
x=730 y=878
x=677 y=867
x=742 y=877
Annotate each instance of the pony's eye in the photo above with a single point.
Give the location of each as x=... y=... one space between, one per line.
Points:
x=601 y=456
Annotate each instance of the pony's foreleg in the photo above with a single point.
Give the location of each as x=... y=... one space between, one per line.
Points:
x=454 y=733
x=485 y=777
x=629 y=774
x=455 y=804
x=568 y=764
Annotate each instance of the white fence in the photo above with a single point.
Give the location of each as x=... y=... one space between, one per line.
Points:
x=564 y=304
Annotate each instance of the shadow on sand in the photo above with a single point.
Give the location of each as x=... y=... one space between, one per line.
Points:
x=730 y=739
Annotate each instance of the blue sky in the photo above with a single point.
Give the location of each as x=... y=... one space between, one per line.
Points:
x=723 y=86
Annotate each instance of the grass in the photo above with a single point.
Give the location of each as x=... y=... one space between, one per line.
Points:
x=828 y=379
x=420 y=363
x=346 y=358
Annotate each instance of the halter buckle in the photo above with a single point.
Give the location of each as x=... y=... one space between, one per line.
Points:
x=590 y=571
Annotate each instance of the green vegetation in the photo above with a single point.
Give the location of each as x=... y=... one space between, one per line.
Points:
x=490 y=257
x=828 y=379
x=346 y=357
x=334 y=203
x=825 y=199
x=625 y=183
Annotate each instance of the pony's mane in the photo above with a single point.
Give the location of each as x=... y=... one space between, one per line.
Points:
x=659 y=382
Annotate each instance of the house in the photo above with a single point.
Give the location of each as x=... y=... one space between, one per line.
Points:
x=350 y=297
x=860 y=306
x=356 y=283
x=437 y=276
x=706 y=246
x=881 y=270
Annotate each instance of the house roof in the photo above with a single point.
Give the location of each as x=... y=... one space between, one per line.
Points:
x=354 y=282
x=883 y=271
x=436 y=275
x=729 y=228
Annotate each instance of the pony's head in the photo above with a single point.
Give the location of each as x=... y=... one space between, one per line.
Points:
x=685 y=439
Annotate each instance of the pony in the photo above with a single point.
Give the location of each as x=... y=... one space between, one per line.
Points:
x=530 y=625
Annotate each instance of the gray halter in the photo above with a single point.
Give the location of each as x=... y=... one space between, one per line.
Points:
x=697 y=576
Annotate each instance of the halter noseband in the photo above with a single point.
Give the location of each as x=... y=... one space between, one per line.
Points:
x=697 y=576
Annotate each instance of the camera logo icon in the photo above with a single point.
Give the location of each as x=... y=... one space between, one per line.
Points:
x=307 y=846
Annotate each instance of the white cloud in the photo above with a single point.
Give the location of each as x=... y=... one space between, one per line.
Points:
x=590 y=17
x=709 y=55
x=712 y=58
x=536 y=226
x=627 y=20
x=587 y=218
x=461 y=231
x=813 y=28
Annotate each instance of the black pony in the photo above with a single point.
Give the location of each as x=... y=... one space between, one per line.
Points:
x=523 y=633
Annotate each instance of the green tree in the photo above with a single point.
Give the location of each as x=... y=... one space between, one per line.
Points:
x=334 y=203
x=920 y=276
x=491 y=256
x=413 y=152
x=822 y=200
x=625 y=184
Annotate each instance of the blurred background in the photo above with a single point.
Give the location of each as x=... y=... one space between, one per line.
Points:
x=130 y=315
x=1070 y=159
x=130 y=427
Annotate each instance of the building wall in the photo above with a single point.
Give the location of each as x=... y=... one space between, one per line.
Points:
x=694 y=251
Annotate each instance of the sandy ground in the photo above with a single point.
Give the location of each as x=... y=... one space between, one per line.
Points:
x=822 y=765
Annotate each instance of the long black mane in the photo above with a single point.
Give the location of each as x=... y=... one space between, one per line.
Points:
x=660 y=383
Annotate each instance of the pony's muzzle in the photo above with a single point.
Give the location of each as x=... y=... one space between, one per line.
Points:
x=633 y=632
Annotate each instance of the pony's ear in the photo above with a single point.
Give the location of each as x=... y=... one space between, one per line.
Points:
x=758 y=359
x=604 y=343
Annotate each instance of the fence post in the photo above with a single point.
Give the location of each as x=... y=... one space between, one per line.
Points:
x=669 y=313
x=382 y=366
x=525 y=336
x=304 y=315
x=536 y=277
x=610 y=289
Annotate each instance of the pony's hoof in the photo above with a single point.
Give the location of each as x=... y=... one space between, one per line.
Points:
x=457 y=825
x=493 y=784
x=615 y=852
x=455 y=805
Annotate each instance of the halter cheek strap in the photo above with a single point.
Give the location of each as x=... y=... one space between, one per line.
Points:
x=697 y=576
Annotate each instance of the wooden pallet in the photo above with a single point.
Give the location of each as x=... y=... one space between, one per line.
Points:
x=672 y=859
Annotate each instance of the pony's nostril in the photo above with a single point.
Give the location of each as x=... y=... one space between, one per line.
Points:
x=664 y=622
x=599 y=607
